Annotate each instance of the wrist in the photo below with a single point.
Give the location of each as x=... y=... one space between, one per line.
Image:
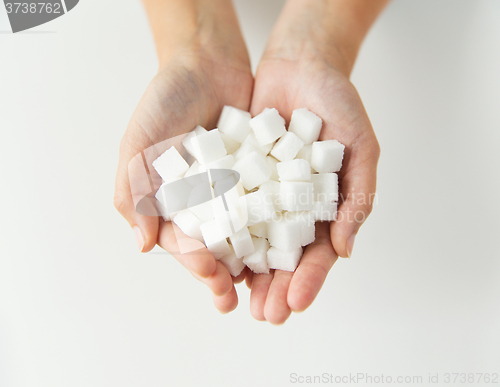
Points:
x=328 y=30
x=194 y=29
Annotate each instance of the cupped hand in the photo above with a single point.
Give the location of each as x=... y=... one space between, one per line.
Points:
x=288 y=82
x=189 y=90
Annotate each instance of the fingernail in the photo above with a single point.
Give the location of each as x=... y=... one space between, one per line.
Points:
x=139 y=238
x=350 y=244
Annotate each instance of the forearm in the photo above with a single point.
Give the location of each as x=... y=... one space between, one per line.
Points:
x=332 y=29
x=202 y=26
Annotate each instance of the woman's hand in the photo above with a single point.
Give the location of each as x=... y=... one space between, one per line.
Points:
x=305 y=65
x=207 y=69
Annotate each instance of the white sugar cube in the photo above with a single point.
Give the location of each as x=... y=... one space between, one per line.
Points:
x=174 y=196
x=208 y=147
x=257 y=261
x=230 y=144
x=271 y=191
x=259 y=230
x=307 y=226
x=162 y=211
x=187 y=143
x=259 y=207
x=271 y=162
x=228 y=216
x=287 y=147
x=305 y=153
x=262 y=149
x=170 y=165
x=244 y=150
x=234 y=123
x=294 y=170
x=214 y=240
x=327 y=156
x=203 y=211
x=200 y=192
x=225 y=162
x=283 y=232
x=253 y=170
x=284 y=260
x=306 y=125
x=242 y=243
x=268 y=126
x=326 y=187
x=189 y=224
x=233 y=264
x=194 y=169
x=324 y=211
x=296 y=196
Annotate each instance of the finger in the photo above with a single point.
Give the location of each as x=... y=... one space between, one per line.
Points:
x=226 y=303
x=238 y=279
x=220 y=282
x=199 y=262
x=276 y=309
x=249 y=278
x=357 y=187
x=260 y=287
x=145 y=223
x=313 y=268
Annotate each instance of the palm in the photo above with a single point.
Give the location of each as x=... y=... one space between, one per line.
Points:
x=288 y=85
x=181 y=96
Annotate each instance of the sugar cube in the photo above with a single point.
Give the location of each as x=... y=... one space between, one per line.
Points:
x=230 y=144
x=245 y=149
x=234 y=123
x=294 y=170
x=214 y=240
x=306 y=125
x=242 y=243
x=287 y=147
x=296 y=196
x=324 y=211
x=258 y=207
x=305 y=153
x=327 y=156
x=307 y=226
x=233 y=264
x=174 y=196
x=262 y=149
x=284 y=260
x=253 y=170
x=194 y=169
x=208 y=147
x=189 y=224
x=271 y=191
x=225 y=162
x=257 y=261
x=268 y=126
x=203 y=211
x=326 y=187
x=271 y=162
x=188 y=144
x=283 y=232
x=259 y=230
x=170 y=165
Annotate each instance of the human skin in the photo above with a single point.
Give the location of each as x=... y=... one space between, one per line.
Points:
x=307 y=63
x=204 y=65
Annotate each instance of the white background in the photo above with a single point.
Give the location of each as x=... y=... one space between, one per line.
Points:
x=79 y=306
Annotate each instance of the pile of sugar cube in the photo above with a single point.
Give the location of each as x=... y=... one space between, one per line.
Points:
x=254 y=191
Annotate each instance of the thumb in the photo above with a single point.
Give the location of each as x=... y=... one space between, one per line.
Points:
x=134 y=199
x=357 y=195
